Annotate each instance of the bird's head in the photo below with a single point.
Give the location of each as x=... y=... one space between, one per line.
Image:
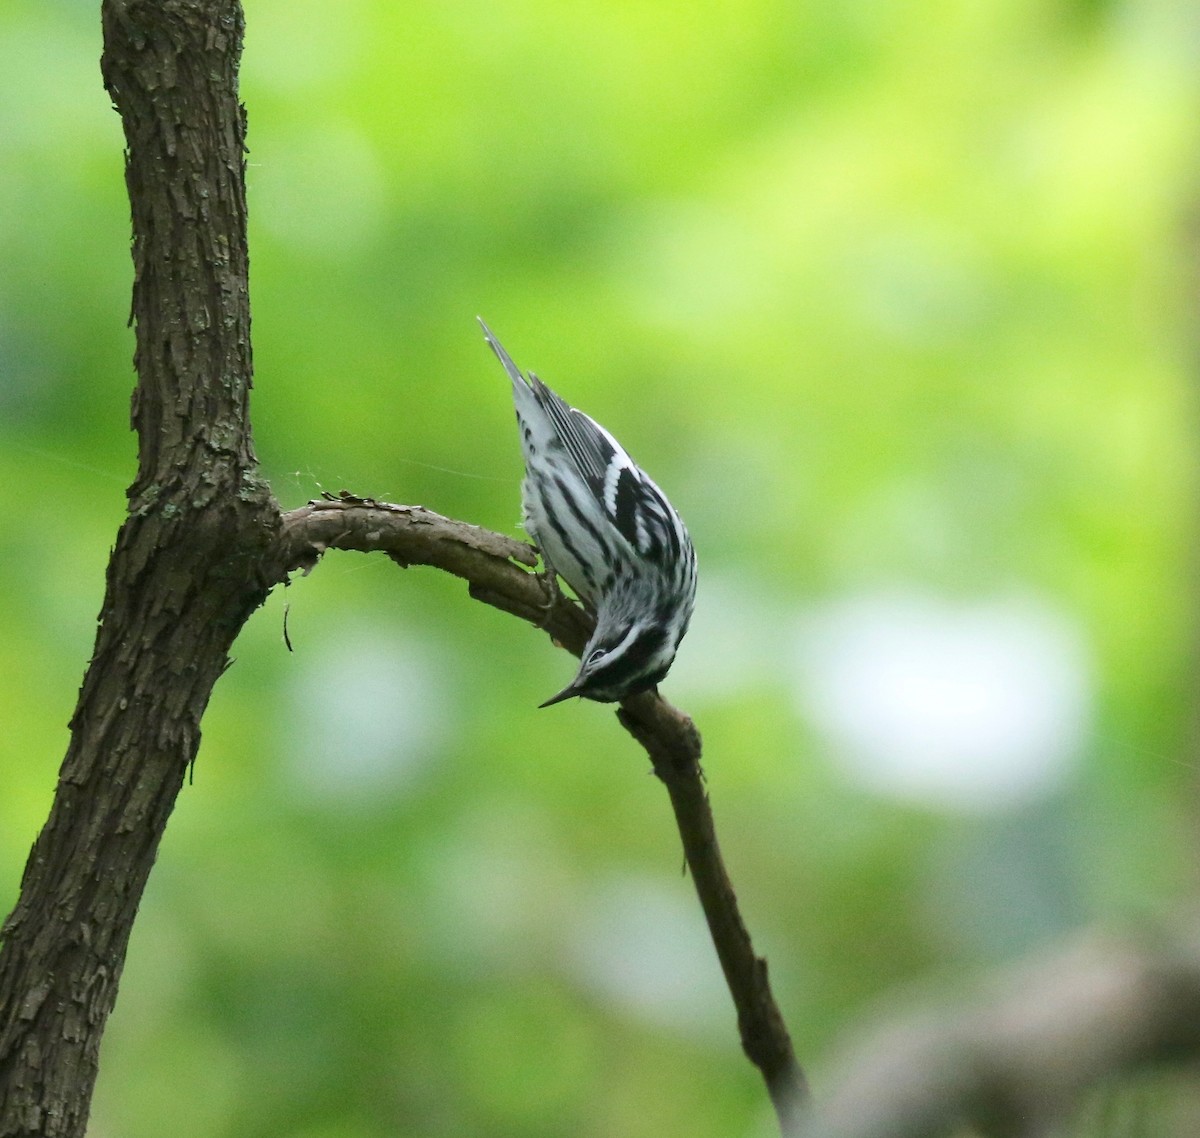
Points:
x=621 y=659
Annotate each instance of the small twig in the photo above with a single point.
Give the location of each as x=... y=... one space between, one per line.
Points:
x=497 y=571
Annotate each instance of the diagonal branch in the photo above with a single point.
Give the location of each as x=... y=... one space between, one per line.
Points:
x=673 y=744
x=1016 y=1061
x=494 y=567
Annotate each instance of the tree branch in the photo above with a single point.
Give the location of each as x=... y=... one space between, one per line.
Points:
x=673 y=744
x=493 y=567
x=1014 y=1064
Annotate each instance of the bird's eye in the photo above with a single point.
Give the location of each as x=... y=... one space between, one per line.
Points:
x=599 y=654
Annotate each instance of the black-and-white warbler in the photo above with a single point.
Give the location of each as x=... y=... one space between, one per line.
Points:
x=610 y=533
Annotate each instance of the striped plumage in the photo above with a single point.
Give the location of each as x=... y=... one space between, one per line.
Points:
x=610 y=533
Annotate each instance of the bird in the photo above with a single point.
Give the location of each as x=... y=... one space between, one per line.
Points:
x=602 y=525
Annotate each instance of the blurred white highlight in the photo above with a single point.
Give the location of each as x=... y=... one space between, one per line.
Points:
x=966 y=706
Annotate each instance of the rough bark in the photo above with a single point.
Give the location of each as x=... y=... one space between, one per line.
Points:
x=183 y=575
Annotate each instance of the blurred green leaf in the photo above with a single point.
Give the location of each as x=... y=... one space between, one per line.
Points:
x=892 y=299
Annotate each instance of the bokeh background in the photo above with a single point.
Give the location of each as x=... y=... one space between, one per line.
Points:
x=894 y=299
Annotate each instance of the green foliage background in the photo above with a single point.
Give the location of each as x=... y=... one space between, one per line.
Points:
x=893 y=298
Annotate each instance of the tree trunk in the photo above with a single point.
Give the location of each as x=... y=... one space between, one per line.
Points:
x=183 y=576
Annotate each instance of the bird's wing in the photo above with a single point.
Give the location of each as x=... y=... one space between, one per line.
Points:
x=591 y=447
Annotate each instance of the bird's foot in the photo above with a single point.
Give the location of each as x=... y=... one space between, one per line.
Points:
x=549 y=582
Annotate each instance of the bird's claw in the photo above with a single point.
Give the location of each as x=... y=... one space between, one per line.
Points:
x=549 y=582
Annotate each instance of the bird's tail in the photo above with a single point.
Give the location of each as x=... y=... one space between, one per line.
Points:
x=514 y=372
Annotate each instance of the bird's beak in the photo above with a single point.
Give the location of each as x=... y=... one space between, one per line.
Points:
x=566 y=693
